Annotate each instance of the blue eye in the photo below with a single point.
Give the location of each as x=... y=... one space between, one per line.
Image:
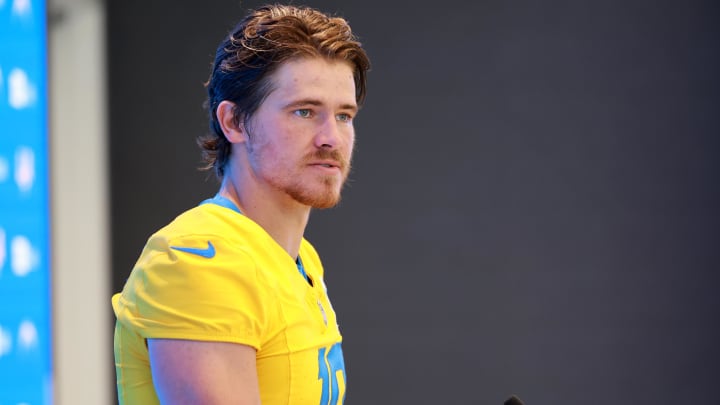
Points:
x=303 y=113
x=344 y=117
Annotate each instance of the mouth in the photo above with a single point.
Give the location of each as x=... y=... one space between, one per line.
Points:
x=327 y=169
x=327 y=165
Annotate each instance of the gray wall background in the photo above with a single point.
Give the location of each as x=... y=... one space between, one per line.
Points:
x=533 y=208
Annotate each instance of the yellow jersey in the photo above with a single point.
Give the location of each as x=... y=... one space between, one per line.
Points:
x=215 y=275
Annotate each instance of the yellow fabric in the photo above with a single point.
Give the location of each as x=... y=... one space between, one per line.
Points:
x=249 y=292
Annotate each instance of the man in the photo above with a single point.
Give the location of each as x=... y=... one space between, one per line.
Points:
x=227 y=304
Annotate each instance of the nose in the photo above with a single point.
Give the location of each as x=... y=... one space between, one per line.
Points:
x=329 y=134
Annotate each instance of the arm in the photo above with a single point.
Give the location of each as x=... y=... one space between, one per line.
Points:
x=189 y=372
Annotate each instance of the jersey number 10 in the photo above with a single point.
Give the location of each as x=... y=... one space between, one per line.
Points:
x=331 y=366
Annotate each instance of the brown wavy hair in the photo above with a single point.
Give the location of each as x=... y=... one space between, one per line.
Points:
x=255 y=48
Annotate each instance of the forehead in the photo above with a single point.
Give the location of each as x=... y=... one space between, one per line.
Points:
x=317 y=78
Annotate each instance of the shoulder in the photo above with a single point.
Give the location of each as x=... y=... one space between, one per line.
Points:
x=213 y=223
x=205 y=241
x=205 y=218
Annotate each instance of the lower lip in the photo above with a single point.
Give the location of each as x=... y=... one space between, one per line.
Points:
x=327 y=169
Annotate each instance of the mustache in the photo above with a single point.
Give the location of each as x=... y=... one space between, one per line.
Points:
x=325 y=154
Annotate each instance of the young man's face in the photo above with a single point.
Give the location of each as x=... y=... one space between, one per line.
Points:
x=301 y=138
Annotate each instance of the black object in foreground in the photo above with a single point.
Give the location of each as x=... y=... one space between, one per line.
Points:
x=513 y=400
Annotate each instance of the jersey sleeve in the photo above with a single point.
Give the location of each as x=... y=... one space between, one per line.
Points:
x=194 y=288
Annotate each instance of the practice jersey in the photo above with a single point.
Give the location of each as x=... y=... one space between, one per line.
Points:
x=215 y=275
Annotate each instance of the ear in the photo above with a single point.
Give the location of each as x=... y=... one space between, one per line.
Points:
x=233 y=131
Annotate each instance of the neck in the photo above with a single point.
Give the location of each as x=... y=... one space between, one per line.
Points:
x=283 y=218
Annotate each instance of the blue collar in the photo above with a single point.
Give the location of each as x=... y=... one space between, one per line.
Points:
x=301 y=269
x=223 y=202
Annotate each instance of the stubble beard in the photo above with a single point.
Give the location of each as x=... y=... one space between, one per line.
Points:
x=329 y=192
x=326 y=194
x=328 y=197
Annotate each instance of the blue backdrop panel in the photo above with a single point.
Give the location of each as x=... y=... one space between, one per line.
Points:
x=25 y=315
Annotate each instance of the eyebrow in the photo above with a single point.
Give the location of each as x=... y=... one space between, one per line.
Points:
x=315 y=102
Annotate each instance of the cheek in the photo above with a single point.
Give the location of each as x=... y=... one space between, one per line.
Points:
x=266 y=154
x=351 y=143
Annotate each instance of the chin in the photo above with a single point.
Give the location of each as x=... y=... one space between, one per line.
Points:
x=328 y=200
x=326 y=204
x=321 y=200
x=320 y=195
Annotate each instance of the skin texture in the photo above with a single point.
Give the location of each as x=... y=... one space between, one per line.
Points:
x=187 y=372
x=291 y=156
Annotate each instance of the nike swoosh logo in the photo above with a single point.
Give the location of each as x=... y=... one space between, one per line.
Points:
x=208 y=252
